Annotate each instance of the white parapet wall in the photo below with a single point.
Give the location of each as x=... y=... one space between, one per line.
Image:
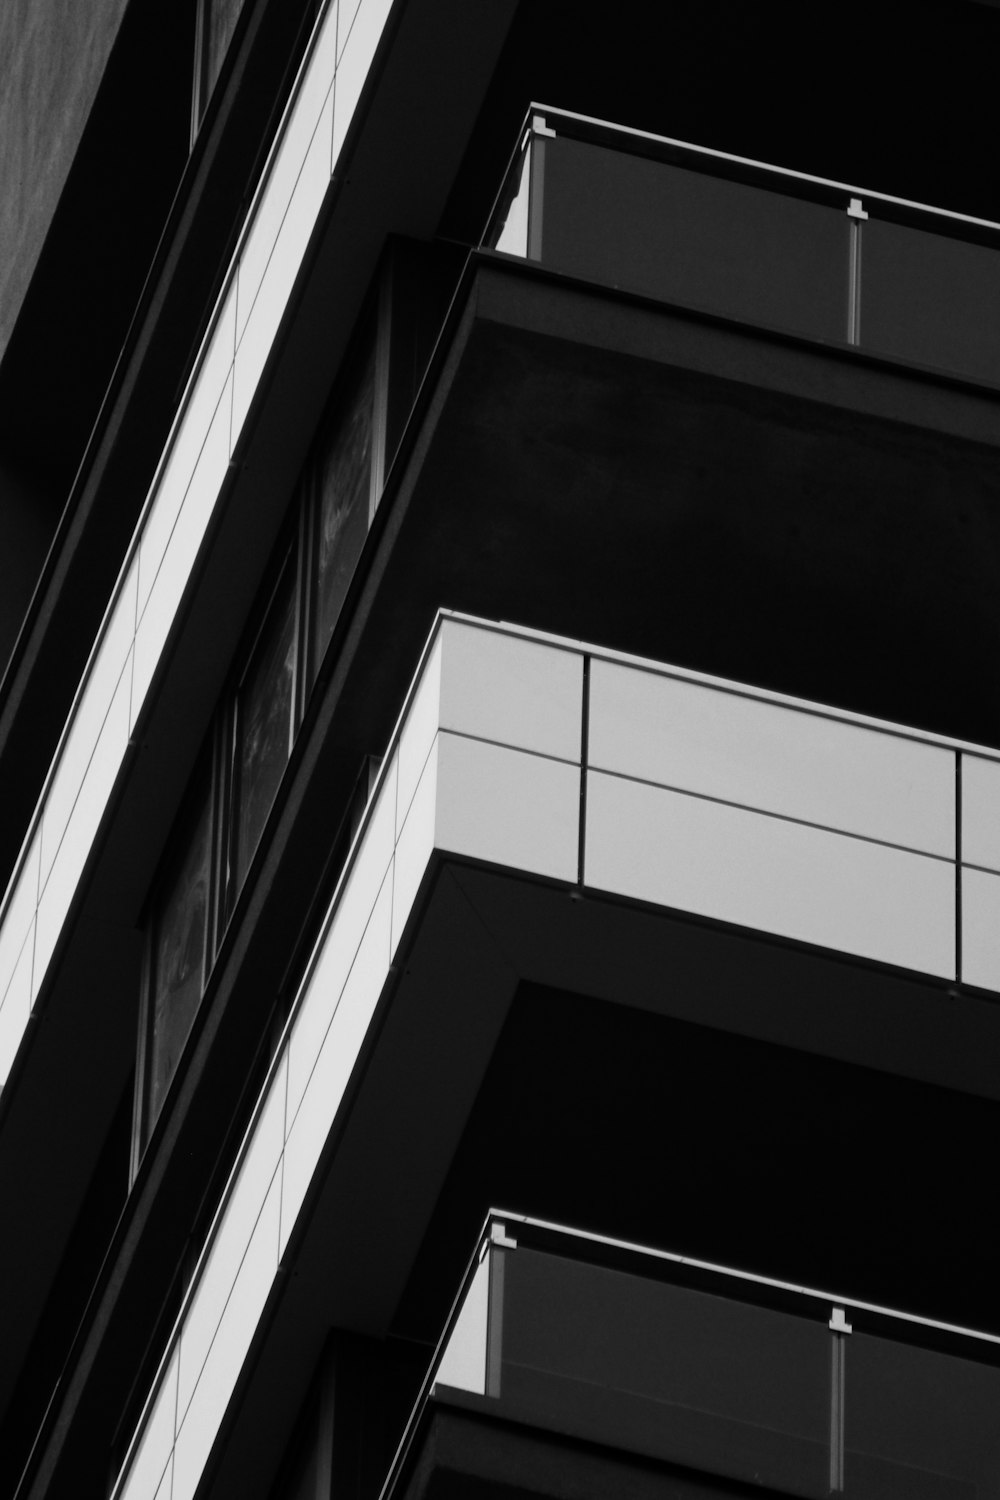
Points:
x=183 y=497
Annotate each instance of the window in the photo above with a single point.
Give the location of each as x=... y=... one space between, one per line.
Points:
x=343 y=479
x=264 y=725
x=259 y=713
x=178 y=946
x=254 y=729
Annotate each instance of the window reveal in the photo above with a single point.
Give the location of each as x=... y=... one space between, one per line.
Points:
x=180 y=944
x=254 y=730
x=344 y=483
x=264 y=728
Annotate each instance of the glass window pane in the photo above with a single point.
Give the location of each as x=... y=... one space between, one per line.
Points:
x=344 y=483
x=180 y=933
x=264 y=725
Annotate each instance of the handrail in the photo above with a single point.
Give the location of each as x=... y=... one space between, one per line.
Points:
x=727 y=163
x=630 y=1251
x=503 y=1227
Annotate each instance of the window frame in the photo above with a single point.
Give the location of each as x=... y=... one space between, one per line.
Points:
x=203 y=778
x=287 y=556
x=295 y=548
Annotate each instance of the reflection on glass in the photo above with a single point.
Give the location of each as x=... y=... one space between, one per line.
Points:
x=264 y=727
x=180 y=934
x=463 y=1363
x=688 y=236
x=510 y=231
x=919 y=1422
x=218 y=22
x=685 y=1375
x=344 y=483
x=930 y=298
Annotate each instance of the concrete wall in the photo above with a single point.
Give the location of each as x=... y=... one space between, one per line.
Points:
x=52 y=57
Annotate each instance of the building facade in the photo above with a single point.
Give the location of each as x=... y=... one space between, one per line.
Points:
x=499 y=530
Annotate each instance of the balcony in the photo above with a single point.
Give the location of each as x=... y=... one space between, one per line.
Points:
x=550 y=814
x=707 y=1369
x=783 y=250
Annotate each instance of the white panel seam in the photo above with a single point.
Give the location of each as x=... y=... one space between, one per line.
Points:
x=270 y=255
x=767 y=812
x=179 y=1341
x=347 y=979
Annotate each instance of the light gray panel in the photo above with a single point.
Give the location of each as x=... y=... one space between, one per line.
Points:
x=415 y=845
x=335 y=955
x=357 y=39
x=88 y=718
x=254 y=1280
x=182 y=548
x=190 y=436
x=15 y=1005
x=981 y=928
x=747 y=750
x=511 y=690
x=88 y=810
x=352 y=1014
x=282 y=267
x=19 y=912
x=422 y=719
x=760 y=872
x=153 y=1451
x=229 y=1242
x=981 y=811
x=285 y=165
x=507 y=807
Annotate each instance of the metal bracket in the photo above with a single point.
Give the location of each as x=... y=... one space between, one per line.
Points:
x=856 y=209
x=539 y=126
x=838 y=1322
x=500 y=1238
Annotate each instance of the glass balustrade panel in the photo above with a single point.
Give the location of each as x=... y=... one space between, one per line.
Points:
x=919 y=1423
x=669 y=1372
x=931 y=299
x=693 y=238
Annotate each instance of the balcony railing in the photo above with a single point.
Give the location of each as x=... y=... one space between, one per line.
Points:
x=719 y=1371
x=719 y=233
x=693 y=786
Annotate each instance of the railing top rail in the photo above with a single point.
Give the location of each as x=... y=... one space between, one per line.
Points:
x=725 y=685
x=545 y=1234
x=727 y=163
x=524 y=1231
